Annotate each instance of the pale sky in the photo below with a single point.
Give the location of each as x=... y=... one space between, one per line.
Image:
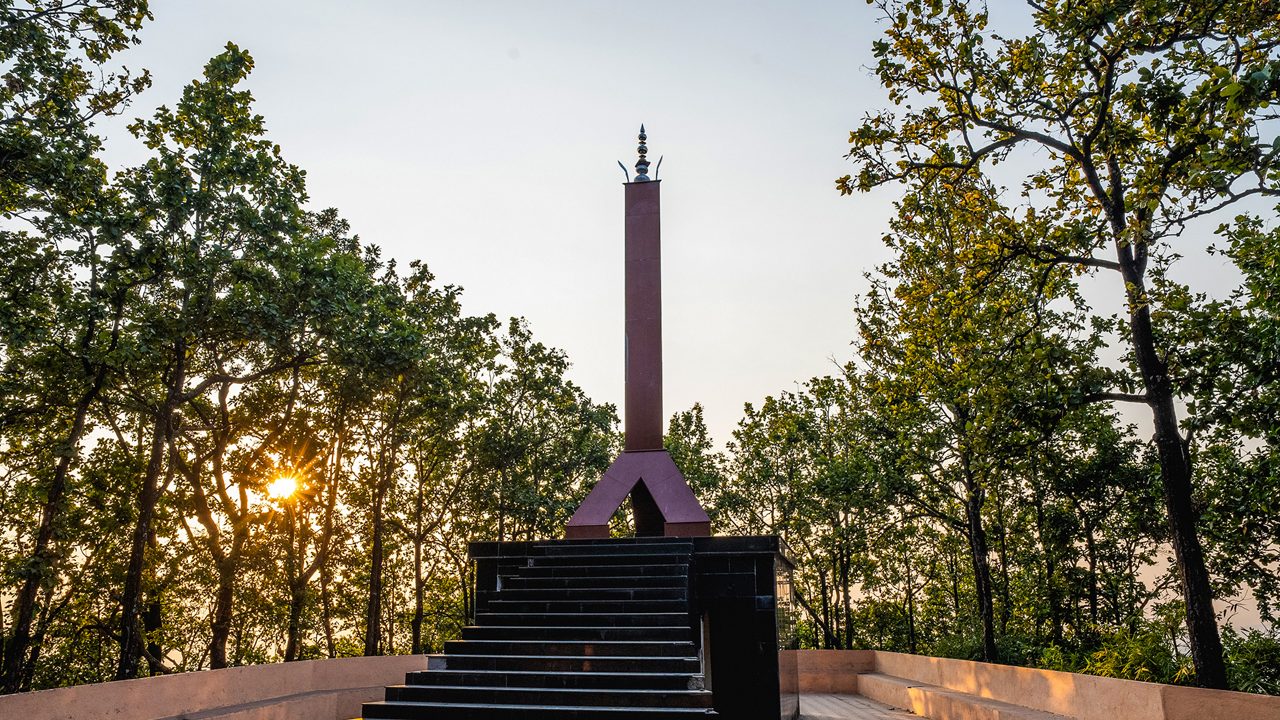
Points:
x=483 y=138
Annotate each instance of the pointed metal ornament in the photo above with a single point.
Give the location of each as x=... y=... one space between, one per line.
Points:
x=642 y=165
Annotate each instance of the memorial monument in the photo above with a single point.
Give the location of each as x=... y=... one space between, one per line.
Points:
x=667 y=623
x=661 y=501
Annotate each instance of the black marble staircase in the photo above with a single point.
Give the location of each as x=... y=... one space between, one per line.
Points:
x=575 y=630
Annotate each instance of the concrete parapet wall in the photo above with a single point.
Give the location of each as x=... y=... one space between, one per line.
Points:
x=831 y=671
x=1073 y=695
x=313 y=689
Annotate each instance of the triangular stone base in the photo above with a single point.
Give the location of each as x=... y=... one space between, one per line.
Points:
x=661 y=499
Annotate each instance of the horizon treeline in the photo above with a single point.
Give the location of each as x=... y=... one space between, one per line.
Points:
x=232 y=433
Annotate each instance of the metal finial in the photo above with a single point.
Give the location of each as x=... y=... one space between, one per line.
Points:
x=642 y=165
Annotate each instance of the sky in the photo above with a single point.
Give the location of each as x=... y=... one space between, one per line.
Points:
x=484 y=137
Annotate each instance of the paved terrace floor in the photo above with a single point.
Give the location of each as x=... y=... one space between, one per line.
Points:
x=814 y=706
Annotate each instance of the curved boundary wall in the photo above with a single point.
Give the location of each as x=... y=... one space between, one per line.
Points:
x=1084 y=697
x=313 y=689
x=334 y=689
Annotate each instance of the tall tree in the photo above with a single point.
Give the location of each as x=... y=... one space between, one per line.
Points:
x=540 y=439
x=216 y=194
x=56 y=80
x=1148 y=116
x=694 y=452
x=970 y=363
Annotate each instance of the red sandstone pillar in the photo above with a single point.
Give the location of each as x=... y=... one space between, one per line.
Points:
x=643 y=402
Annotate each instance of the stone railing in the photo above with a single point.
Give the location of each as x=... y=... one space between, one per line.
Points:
x=940 y=688
x=314 y=689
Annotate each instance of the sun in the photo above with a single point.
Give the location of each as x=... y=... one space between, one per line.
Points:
x=282 y=487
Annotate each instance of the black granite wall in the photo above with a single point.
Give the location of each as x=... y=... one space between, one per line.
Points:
x=736 y=593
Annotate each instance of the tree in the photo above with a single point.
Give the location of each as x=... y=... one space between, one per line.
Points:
x=55 y=82
x=217 y=196
x=1148 y=116
x=971 y=365
x=1230 y=368
x=63 y=332
x=176 y=339
x=539 y=441
x=448 y=395
x=693 y=451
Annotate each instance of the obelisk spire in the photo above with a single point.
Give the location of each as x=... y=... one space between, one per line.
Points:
x=661 y=501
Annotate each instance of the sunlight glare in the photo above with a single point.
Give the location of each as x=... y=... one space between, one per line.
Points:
x=282 y=487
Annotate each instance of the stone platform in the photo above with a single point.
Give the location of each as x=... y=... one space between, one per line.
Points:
x=831 y=706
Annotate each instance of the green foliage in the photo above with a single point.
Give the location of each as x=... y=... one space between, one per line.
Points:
x=1144 y=117
x=1144 y=655
x=197 y=334
x=56 y=80
x=1253 y=660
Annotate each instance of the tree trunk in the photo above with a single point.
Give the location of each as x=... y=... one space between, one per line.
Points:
x=981 y=571
x=419 y=598
x=1003 y=551
x=911 y=605
x=1049 y=555
x=326 y=608
x=153 y=619
x=953 y=569
x=297 y=598
x=1175 y=477
x=152 y=622
x=845 y=600
x=335 y=475
x=386 y=473
x=222 y=607
x=131 y=600
x=1092 y=553
x=829 y=642
x=17 y=648
x=373 y=613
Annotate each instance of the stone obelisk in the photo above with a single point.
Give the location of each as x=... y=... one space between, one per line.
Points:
x=661 y=500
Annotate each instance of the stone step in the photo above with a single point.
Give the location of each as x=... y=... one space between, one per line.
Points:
x=597 y=648
x=578 y=619
x=680 y=570
x=586 y=606
x=579 y=630
x=942 y=703
x=589 y=593
x=615 y=541
x=608 y=560
x=564 y=663
x=483 y=711
x=676 y=633
x=520 y=582
x=616 y=549
x=580 y=680
x=615 y=697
